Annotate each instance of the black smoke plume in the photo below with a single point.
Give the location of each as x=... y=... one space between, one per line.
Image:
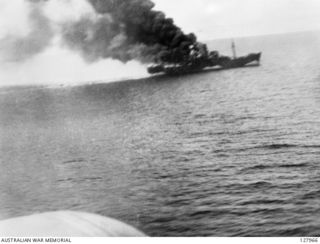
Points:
x=126 y=30
x=119 y=29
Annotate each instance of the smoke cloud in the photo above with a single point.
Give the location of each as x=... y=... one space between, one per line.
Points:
x=15 y=47
x=127 y=30
x=123 y=30
x=119 y=29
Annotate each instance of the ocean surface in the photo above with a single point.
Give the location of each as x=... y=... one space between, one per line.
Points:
x=223 y=153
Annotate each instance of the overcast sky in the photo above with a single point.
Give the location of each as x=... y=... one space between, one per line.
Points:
x=211 y=19
x=208 y=19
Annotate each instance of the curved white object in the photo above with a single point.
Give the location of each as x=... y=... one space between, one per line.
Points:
x=66 y=224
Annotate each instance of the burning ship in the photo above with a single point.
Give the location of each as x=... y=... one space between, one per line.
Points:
x=200 y=59
x=128 y=30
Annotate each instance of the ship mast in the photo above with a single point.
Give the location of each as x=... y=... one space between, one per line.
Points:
x=233 y=47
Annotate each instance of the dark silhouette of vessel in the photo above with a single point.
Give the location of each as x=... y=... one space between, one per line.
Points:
x=228 y=63
x=202 y=60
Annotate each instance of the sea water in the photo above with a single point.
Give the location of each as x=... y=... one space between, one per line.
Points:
x=224 y=153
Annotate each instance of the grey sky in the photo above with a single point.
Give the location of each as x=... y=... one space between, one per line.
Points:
x=211 y=19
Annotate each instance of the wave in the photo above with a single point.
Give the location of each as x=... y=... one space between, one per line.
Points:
x=273 y=166
x=301 y=165
x=260 y=184
x=285 y=145
x=274 y=147
x=311 y=195
x=78 y=160
x=262 y=202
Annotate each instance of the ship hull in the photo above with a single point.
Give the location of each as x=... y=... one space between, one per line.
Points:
x=221 y=63
x=227 y=63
